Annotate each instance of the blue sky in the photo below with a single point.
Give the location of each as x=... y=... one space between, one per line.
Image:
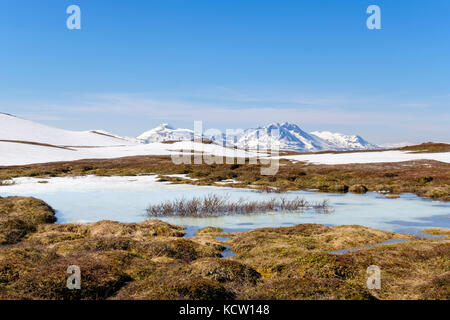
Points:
x=232 y=64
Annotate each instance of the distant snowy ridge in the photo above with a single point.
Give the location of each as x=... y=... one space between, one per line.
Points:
x=18 y=129
x=165 y=132
x=26 y=142
x=289 y=137
x=345 y=142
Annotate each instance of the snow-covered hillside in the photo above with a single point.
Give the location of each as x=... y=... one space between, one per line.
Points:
x=289 y=137
x=22 y=154
x=344 y=142
x=165 y=132
x=368 y=157
x=26 y=142
x=17 y=129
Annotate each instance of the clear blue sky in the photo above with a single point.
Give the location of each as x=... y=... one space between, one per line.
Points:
x=135 y=64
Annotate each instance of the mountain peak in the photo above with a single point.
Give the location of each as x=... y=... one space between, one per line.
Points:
x=165 y=132
x=289 y=137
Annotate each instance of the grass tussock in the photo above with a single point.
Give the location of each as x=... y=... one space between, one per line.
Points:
x=216 y=205
x=152 y=260
x=22 y=216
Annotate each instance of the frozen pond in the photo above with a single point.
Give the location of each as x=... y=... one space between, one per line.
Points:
x=89 y=199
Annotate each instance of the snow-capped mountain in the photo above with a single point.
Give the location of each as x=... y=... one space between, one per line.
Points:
x=344 y=142
x=286 y=136
x=165 y=132
x=26 y=142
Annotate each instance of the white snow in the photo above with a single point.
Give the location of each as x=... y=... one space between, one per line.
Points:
x=14 y=128
x=106 y=133
x=182 y=176
x=291 y=137
x=22 y=154
x=344 y=142
x=165 y=132
x=227 y=181
x=104 y=145
x=368 y=157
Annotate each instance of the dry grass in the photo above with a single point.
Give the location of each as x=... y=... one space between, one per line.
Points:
x=152 y=260
x=21 y=216
x=214 y=205
x=295 y=263
x=429 y=147
x=425 y=178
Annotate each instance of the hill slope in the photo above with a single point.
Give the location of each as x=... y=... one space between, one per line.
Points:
x=16 y=129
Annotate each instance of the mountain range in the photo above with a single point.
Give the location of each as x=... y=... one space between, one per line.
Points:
x=289 y=137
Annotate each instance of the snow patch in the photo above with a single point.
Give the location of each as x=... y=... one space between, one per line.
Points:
x=368 y=157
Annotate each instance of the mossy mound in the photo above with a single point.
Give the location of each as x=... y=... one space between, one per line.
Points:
x=98 y=281
x=223 y=270
x=442 y=193
x=151 y=260
x=358 y=188
x=176 y=288
x=137 y=231
x=295 y=264
x=334 y=188
x=437 y=232
x=28 y=209
x=209 y=230
x=306 y=288
x=21 y=216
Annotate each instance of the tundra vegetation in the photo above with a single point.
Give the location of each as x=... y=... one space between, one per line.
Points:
x=426 y=178
x=153 y=260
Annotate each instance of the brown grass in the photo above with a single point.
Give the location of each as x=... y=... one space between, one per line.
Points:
x=425 y=178
x=152 y=260
x=428 y=147
x=217 y=205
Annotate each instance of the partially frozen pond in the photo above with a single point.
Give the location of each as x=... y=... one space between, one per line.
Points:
x=90 y=198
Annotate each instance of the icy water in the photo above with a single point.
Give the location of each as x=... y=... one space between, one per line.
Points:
x=89 y=199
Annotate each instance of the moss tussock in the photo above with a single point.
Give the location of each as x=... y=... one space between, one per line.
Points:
x=21 y=216
x=152 y=260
